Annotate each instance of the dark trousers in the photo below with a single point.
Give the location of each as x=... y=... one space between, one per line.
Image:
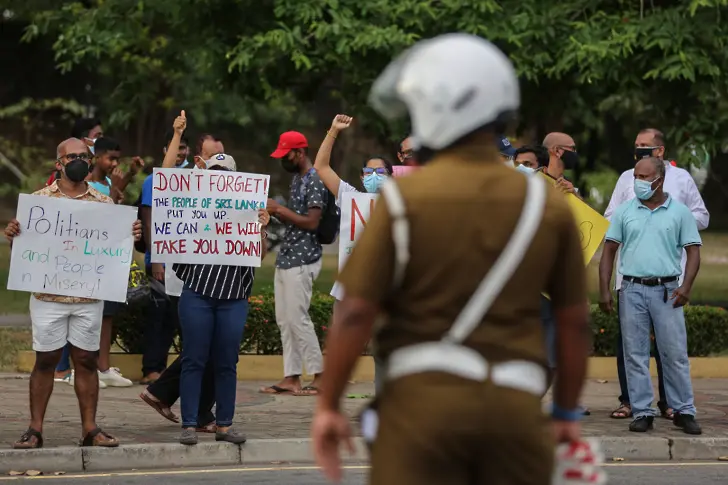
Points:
x=622 y=372
x=162 y=321
x=212 y=331
x=166 y=389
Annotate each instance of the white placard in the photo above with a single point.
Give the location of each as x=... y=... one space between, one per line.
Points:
x=72 y=248
x=355 y=210
x=207 y=216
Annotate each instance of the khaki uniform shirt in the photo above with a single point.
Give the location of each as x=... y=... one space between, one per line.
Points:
x=90 y=194
x=462 y=209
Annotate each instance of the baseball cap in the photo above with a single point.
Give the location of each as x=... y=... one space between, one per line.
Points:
x=505 y=147
x=287 y=142
x=222 y=160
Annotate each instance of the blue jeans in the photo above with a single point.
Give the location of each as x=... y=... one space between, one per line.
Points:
x=640 y=308
x=622 y=373
x=64 y=365
x=212 y=330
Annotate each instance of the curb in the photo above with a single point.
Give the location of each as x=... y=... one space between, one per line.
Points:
x=277 y=451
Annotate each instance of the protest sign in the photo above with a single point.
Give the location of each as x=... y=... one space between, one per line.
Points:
x=355 y=210
x=72 y=248
x=207 y=216
x=592 y=225
x=401 y=170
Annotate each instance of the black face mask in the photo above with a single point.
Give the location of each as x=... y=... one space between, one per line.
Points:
x=642 y=152
x=570 y=159
x=289 y=166
x=77 y=170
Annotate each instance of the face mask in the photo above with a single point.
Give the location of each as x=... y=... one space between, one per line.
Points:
x=570 y=159
x=642 y=152
x=373 y=182
x=525 y=169
x=643 y=188
x=289 y=166
x=93 y=142
x=182 y=164
x=76 y=170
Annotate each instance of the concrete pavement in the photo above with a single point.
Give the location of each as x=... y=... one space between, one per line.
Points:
x=278 y=427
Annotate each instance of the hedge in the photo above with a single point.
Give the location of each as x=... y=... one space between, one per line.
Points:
x=707 y=327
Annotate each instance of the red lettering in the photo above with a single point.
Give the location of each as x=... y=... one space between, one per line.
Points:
x=236 y=183
x=171 y=247
x=356 y=212
x=173 y=182
x=248 y=228
x=224 y=228
x=161 y=181
x=242 y=248
x=205 y=246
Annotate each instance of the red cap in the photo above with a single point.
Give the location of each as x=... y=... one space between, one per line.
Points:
x=673 y=163
x=287 y=142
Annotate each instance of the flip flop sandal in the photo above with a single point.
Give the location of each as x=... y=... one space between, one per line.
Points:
x=275 y=389
x=90 y=439
x=158 y=406
x=624 y=411
x=26 y=440
x=308 y=391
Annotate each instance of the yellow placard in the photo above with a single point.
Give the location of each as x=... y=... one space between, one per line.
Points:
x=592 y=225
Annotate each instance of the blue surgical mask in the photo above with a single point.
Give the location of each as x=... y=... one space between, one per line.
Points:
x=643 y=188
x=524 y=169
x=373 y=182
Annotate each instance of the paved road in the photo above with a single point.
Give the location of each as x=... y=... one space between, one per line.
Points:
x=622 y=474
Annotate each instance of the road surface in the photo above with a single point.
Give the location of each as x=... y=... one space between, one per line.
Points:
x=619 y=474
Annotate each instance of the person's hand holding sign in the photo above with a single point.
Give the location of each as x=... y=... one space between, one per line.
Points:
x=180 y=123
x=263 y=217
x=136 y=230
x=12 y=230
x=565 y=186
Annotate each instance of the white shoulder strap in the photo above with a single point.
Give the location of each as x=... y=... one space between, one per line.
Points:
x=505 y=265
x=400 y=228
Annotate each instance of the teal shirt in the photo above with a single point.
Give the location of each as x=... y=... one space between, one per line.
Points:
x=104 y=189
x=652 y=240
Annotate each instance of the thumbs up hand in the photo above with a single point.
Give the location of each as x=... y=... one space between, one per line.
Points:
x=180 y=123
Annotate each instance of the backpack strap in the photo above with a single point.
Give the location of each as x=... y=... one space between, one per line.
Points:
x=400 y=228
x=506 y=264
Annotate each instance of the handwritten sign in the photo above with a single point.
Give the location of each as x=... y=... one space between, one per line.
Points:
x=592 y=225
x=402 y=170
x=72 y=248
x=207 y=216
x=355 y=210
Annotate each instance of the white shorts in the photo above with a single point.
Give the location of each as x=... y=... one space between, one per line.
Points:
x=54 y=324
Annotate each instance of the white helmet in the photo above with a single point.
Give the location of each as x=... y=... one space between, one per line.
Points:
x=450 y=85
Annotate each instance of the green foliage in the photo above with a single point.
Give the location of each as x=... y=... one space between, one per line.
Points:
x=600 y=184
x=707 y=329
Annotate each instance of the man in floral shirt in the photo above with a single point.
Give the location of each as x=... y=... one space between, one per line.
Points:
x=298 y=265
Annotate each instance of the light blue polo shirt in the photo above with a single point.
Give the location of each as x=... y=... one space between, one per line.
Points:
x=652 y=240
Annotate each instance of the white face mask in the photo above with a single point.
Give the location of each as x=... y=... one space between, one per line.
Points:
x=524 y=169
x=91 y=148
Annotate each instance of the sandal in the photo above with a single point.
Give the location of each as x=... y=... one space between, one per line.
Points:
x=26 y=441
x=624 y=411
x=208 y=428
x=274 y=390
x=158 y=406
x=91 y=439
x=308 y=391
x=665 y=411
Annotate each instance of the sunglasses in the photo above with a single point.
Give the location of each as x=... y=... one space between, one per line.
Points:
x=76 y=156
x=369 y=171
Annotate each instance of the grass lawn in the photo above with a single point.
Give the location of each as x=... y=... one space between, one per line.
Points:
x=711 y=285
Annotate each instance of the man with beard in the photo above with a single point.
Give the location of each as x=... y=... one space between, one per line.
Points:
x=298 y=265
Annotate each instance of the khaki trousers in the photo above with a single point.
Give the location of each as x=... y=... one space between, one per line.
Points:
x=293 y=289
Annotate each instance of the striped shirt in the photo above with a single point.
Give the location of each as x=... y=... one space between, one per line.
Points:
x=217 y=281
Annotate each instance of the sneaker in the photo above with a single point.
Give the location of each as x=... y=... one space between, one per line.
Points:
x=71 y=380
x=113 y=378
x=231 y=436
x=641 y=424
x=188 y=436
x=688 y=423
x=62 y=377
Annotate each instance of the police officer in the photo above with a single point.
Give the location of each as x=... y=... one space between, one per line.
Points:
x=462 y=344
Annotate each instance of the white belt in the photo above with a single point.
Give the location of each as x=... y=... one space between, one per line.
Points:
x=466 y=363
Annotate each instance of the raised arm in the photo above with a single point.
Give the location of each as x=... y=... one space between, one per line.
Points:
x=170 y=157
x=322 y=164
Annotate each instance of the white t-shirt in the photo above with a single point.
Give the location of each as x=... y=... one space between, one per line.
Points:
x=338 y=291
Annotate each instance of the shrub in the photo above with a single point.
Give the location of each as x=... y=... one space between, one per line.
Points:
x=707 y=327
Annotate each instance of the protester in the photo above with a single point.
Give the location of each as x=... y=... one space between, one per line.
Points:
x=57 y=320
x=163 y=393
x=213 y=309
x=448 y=409
x=653 y=229
x=86 y=129
x=681 y=187
x=162 y=316
x=373 y=173
x=532 y=156
x=562 y=157
x=298 y=264
x=405 y=155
